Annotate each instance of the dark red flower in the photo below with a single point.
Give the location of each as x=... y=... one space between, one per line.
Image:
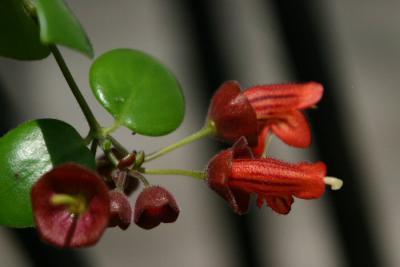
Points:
x=71 y=206
x=120 y=210
x=234 y=174
x=153 y=206
x=276 y=107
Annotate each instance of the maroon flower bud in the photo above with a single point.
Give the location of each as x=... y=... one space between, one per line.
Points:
x=120 y=210
x=127 y=161
x=219 y=170
x=155 y=205
x=232 y=114
x=71 y=206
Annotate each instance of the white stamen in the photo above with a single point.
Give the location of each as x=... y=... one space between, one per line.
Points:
x=334 y=182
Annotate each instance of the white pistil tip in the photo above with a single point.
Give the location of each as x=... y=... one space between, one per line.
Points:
x=334 y=182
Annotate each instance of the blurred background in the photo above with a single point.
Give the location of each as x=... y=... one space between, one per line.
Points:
x=350 y=46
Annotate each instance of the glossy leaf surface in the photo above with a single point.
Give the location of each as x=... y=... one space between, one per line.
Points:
x=139 y=91
x=26 y=153
x=59 y=26
x=19 y=33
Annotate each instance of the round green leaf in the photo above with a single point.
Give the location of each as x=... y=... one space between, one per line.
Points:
x=26 y=153
x=59 y=26
x=19 y=33
x=138 y=91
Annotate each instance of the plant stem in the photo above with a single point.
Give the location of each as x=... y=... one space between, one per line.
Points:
x=93 y=146
x=195 y=174
x=139 y=176
x=118 y=145
x=93 y=124
x=205 y=131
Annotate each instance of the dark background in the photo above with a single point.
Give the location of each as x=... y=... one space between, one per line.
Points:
x=350 y=46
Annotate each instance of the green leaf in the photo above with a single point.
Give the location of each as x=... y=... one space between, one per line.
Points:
x=59 y=26
x=26 y=153
x=19 y=33
x=138 y=91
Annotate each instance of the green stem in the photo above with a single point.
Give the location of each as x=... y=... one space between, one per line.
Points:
x=93 y=124
x=139 y=176
x=205 y=131
x=195 y=174
x=111 y=157
x=93 y=146
x=118 y=145
x=111 y=129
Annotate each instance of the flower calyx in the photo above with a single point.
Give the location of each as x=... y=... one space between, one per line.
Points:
x=120 y=210
x=71 y=206
x=155 y=205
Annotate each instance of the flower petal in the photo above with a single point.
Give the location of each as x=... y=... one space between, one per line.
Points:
x=261 y=147
x=280 y=204
x=293 y=129
x=274 y=177
x=316 y=187
x=279 y=98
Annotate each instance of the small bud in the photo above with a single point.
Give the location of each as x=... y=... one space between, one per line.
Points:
x=120 y=210
x=153 y=206
x=127 y=161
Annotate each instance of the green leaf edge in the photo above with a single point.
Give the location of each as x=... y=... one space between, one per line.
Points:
x=44 y=30
x=119 y=120
x=92 y=166
x=44 y=53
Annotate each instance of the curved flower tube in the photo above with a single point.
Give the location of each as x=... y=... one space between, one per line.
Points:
x=234 y=174
x=276 y=107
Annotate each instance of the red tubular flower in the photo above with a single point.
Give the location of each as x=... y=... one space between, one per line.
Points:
x=153 y=206
x=71 y=206
x=278 y=107
x=120 y=210
x=234 y=174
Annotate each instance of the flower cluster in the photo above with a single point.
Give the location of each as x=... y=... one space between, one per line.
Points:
x=73 y=205
x=246 y=118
